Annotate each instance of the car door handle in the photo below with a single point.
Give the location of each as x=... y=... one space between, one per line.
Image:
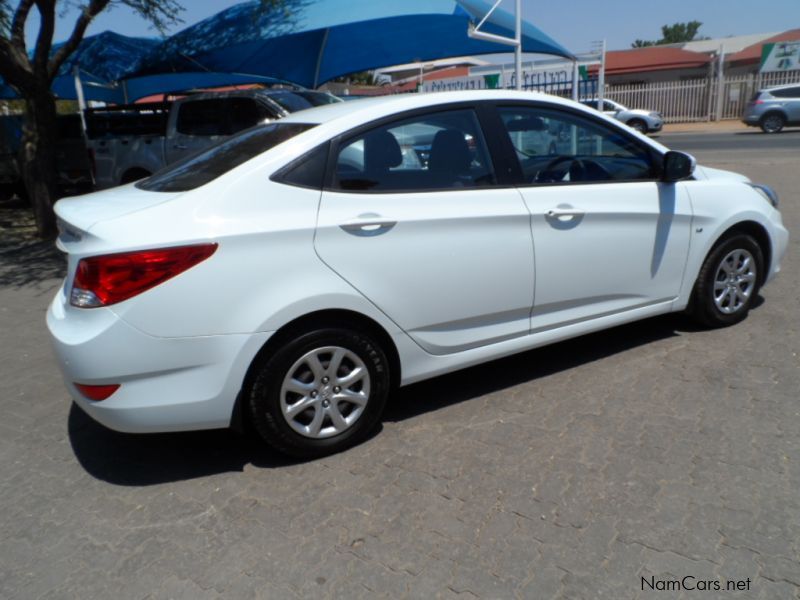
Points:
x=555 y=213
x=368 y=228
x=179 y=147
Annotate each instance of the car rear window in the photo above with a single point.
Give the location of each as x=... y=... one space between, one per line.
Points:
x=203 y=167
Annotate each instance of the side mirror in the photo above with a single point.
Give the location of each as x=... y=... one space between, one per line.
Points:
x=677 y=166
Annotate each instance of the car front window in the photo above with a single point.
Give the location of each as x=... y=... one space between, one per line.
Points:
x=562 y=147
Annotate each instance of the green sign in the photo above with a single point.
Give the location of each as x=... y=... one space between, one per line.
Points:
x=780 y=56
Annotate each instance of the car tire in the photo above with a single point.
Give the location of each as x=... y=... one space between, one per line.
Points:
x=638 y=125
x=728 y=282
x=772 y=122
x=294 y=401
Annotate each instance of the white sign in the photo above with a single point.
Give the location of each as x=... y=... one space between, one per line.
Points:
x=780 y=56
x=545 y=80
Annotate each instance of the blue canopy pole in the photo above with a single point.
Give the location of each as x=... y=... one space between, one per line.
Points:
x=320 y=55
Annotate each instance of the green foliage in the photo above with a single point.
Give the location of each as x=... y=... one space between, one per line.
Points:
x=673 y=34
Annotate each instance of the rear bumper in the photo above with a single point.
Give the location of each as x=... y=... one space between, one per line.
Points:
x=166 y=384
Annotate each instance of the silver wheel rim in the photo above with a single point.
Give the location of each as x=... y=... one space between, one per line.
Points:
x=325 y=392
x=640 y=127
x=734 y=281
x=772 y=124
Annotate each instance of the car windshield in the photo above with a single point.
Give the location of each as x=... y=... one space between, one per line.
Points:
x=203 y=167
x=294 y=101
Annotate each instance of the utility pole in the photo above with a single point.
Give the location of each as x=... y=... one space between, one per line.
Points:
x=475 y=32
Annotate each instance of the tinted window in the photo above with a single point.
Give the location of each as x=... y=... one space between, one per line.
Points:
x=555 y=147
x=443 y=150
x=786 y=93
x=244 y=113
x=199 y=169
x=202 y=117
x=294 y=101
x=308 y=171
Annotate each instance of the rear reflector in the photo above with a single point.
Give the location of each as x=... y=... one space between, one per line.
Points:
x=97 y=392
x=112 y=278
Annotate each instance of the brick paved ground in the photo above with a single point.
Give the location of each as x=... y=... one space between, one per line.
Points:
x=651 y=450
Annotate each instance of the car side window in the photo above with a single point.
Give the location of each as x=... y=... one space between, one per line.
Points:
x=435 y=151
x=202 y=118
x=561 y=147
x=244 y=113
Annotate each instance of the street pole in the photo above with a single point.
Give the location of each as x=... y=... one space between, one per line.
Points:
x=518 y=47
x=575 y=76
x=601 y=77
x=720 y=82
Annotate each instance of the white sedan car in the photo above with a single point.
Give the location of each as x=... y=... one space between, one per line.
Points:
x=295 y=274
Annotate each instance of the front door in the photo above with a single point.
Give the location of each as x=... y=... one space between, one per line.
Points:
x=608 y=238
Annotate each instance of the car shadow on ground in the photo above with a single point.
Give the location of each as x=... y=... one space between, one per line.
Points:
x=148 y=459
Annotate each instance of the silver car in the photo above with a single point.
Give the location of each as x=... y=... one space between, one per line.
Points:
x=643 y=121
x=774 y=108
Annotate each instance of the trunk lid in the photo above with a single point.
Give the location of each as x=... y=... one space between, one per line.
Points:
x=79 y=214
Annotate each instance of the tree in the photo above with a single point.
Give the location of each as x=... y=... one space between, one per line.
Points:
x=673 y=34
x=32 y=76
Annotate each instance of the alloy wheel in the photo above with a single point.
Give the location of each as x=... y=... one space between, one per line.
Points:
x=325 y=392
x=734 y=281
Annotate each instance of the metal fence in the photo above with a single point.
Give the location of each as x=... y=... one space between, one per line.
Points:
x=698 y=99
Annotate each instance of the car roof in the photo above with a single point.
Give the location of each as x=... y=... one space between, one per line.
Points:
x=375 y=108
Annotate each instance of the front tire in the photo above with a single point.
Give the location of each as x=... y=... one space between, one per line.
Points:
x=728 y=282
x=320 y=393
x=638 y=125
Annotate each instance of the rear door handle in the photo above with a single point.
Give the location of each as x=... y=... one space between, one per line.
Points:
x=555 y=213
x=180 y=147
x=368 y=228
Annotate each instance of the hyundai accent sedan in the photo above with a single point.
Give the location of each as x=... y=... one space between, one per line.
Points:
x=292 y=276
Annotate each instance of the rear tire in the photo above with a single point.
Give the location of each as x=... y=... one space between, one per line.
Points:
x=728 y=282
x=320 y=393
x=772 y=122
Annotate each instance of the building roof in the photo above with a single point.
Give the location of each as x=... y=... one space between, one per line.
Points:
x=653 y=58
x=730 y=44
x=753 y=53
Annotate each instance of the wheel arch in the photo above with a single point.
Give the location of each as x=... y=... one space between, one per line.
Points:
x=308 y=322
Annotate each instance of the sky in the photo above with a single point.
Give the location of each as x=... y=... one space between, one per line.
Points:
x=573 y=23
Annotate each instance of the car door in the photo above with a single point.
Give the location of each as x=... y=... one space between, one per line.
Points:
x=413 y=218
x=608 y=237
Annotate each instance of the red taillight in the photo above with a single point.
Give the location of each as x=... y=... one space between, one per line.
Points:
x=112 y=278
x=757 y=102
x=97 y=392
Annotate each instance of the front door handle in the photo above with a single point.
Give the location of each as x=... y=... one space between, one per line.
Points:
x=180 y=147
x=368 y=228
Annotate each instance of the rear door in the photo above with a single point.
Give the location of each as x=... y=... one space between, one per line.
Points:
x=414 y=218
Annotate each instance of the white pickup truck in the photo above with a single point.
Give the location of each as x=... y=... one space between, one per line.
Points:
x=133 y=141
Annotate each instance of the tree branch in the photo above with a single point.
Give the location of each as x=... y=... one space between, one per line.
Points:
x=44 y=41
x=18 y=24
x=87 y=14
x=14 y=65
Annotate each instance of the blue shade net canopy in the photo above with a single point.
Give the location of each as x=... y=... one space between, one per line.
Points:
x=100 y=59
x=310 y=42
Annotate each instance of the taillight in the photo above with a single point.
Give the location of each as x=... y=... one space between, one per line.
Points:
x=112 y=278
x=757 y=102
x=97 y=392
